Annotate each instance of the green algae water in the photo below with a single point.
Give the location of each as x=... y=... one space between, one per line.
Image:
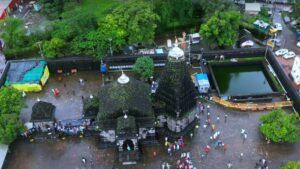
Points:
x=241 y=80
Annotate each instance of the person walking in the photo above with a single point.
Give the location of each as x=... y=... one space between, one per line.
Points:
x=225 y=147
x=207 y=149
x=241 y=156
x=229 y=164
x=225 y=118
x=218 y=118
x=245 y=137
x=213 y=127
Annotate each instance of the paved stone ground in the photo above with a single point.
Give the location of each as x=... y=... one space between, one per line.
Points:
x=67 y=154
x=69 y=103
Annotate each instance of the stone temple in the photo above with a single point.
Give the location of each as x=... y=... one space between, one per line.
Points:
x=126 y=117
x=175 y=98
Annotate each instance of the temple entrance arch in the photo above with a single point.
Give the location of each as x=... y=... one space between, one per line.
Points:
x=128 y=145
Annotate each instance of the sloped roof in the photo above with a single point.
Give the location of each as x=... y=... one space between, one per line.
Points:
x=133 y=96
x=252 y=7
x=126 y=125
x=42 y=111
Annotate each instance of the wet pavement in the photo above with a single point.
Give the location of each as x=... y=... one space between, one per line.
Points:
x=289 y=41
x=67 y=154
x=69 y=103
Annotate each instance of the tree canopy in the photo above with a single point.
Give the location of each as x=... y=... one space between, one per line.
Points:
x=10 y=127
x=137 y=19
x=291 y=165
x=11 y=103
x=144 y=67
x=13 y=32
x=54 y=48
x=222 y=28
x=280 y=127
x=210 y=7
x=52 y=8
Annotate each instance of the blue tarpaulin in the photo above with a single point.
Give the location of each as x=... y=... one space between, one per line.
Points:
x=202 y=82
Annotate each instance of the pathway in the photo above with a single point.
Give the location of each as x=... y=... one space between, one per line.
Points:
x=252 y=106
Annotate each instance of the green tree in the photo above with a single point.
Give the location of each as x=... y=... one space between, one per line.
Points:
x=175 y=13
x=13 y=32
x=92 y=44
x=291 y=165
x=137 y=19
x=52 y=8
x=222 y=28
x=10 y=128
x=296 y=11
x=73 y=24
x=211 y=6
x=11 y=101
x=280 y=127
x=144 y=67
x=54 y=48
x=97 y=42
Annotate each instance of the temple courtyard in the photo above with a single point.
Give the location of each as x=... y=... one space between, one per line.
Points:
x=68 y=153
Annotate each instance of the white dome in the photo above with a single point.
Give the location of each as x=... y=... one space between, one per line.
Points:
x=123 y=79
x=176 y=53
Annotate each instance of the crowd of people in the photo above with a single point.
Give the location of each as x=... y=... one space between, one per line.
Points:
x=215 y=141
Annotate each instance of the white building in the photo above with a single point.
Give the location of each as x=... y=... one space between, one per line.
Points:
x=252 y=8
x=296 y=71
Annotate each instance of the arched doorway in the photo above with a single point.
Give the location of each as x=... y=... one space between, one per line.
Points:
x=128 y=145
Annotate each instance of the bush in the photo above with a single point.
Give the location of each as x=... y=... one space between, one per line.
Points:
x=25 y=52
x=10 y=128
x=144 y=67
x=54 y=48
x=292 y=165
x=280 y=127
x=11 y=101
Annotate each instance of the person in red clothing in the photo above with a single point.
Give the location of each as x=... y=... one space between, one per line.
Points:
x=207 y=149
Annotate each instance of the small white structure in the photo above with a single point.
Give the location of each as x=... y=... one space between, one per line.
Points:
x=252 y=8
x=176 y=53
x=296 y=71
x=123 y=79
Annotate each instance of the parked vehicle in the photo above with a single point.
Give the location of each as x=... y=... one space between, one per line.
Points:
x=195 y=38
x=261 y=24
x=278 y=26
x=248 y=43
x=276 y=42
x=281 y=52
x=273 y=30
x=298 y=33
x=289 y=55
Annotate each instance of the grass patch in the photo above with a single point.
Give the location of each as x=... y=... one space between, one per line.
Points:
x=99 y=7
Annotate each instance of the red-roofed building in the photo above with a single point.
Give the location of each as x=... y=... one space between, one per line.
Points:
x=5 y=6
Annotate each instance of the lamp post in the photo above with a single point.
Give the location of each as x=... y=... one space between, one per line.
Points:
x=110 y=47
x=41 y=52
